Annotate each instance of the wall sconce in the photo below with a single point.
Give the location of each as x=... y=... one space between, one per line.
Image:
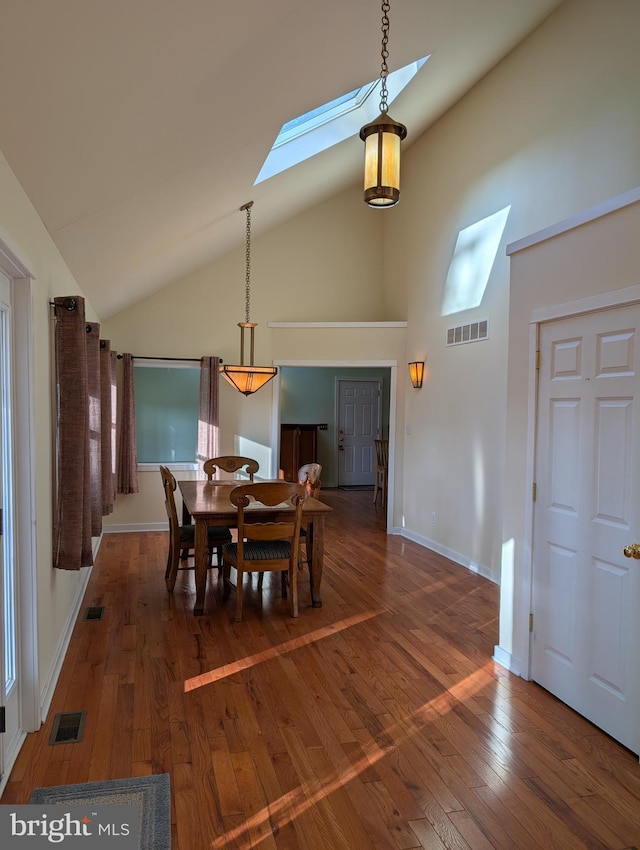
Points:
x=416 y=373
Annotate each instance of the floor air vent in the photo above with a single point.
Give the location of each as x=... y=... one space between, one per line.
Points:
x=473 y=332
x=94 y=613
x=68 y=727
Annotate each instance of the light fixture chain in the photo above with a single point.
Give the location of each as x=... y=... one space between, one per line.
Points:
x=247 y=285
x=384 y=53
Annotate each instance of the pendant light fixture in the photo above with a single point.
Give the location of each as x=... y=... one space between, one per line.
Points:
x=382 y=139
x=247 y=378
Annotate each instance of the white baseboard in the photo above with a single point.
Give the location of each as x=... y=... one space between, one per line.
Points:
x=132 y=527
x=510 y=662
x=481 y=569
x=46 y=694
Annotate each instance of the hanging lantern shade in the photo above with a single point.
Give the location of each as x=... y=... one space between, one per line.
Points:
x=382 y=139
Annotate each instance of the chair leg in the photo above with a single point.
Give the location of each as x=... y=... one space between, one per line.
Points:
x=172 y=567
x=375 y=488
x=226 y=572
x=167 y=571
x=293 y=587
x=239 y=584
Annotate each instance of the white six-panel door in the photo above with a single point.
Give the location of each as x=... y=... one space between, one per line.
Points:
x=586 y=593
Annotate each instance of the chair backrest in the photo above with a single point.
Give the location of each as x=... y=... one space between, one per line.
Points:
x=270 y=494
x=230 y=464
x=382 y=453
x=169 y=487
x=309 y=476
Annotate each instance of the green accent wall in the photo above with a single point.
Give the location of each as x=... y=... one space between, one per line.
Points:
x=308 y=396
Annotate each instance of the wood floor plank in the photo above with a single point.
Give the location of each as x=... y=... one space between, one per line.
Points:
x=378 y=721
x=426 y=834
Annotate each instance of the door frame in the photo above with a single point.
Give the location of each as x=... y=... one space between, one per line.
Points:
x=392 y=365
x=570 y=309
x=25 y=491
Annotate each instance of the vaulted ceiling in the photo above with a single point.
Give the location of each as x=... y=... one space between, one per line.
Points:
x=137 y=127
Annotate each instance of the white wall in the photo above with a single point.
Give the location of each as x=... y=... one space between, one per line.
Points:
x=554 y=129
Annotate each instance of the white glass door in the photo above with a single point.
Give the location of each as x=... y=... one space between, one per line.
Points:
x=9 y=690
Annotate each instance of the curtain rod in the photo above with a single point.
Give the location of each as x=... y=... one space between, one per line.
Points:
x=142 y=357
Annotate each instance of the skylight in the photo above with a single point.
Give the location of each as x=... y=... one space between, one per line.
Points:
x=333 y=122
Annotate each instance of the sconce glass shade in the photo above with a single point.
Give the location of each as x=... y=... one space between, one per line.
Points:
x=247 y=379
x=382 y=139
x=416 y=373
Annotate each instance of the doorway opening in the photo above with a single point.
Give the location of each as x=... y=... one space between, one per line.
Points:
x=308 y=391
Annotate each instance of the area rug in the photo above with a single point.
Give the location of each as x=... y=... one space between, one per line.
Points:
x=151 y=794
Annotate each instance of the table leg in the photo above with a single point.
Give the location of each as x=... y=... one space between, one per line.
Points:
x=316 y=532
x=201 y=559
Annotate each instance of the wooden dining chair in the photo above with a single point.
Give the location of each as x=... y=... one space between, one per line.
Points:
x=382 y=471
x=309 y=476
x=265 y=546
x=230 y=464
x=182 y=537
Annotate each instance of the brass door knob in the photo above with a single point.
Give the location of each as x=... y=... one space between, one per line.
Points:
x=632 y=551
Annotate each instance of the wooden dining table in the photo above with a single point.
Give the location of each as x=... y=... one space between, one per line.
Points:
x=208 y=503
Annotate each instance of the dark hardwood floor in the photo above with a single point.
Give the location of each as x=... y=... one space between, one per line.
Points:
x=376 y=721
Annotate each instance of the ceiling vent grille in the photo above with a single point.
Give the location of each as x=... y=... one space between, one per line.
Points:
x=473 y=332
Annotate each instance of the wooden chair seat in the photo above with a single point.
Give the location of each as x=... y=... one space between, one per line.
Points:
x=216 y=534
x=263 y=551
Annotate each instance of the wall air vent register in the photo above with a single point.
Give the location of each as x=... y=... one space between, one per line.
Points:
x=473 y=332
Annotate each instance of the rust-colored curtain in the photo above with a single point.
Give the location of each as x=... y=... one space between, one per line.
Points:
x=208 y=418
x=72 y=518
x=127 y=451
x=107 y=426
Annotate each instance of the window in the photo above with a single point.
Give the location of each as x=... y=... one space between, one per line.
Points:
x=167 y=411
x=333 y=122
